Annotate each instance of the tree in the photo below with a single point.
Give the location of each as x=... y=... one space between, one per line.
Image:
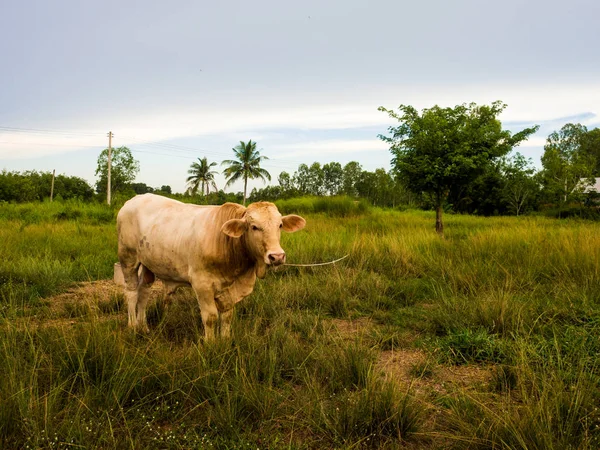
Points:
x=316 y=179
x=565 y=164
x=519 y=183
x=246 y=165
x=365 y=186
x=287 y=185
x=285 y=181
x=124 y=168
x=301 y=179
x=481 y=195
x=445 y=147
x=332 y=178
x=350 y=176
x=200 y=176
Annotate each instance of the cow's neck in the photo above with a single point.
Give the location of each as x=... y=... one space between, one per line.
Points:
x=240 y=259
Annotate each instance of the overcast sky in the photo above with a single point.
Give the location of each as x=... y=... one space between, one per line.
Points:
x=179 y=80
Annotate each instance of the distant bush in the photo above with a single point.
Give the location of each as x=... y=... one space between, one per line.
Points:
x=32 y=185
x=582 y=212
x=333 y=206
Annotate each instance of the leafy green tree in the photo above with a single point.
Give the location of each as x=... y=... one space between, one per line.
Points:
x=301 y=179
x=520 y=185
x=365 y=186
x=286 y=183
x=568 y=170
x=383 y=191
x=351 y=174
x=445 y=147
x=246 y=165
x=124 y=169
x=332 y=178
x=201 y=176
x=378 y=187
x=316 y=179
x=71 y=187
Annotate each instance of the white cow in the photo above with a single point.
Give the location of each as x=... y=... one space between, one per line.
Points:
x=218 y=250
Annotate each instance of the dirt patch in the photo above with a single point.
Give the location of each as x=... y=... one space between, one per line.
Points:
x=86 y=292
x=94 y=292
x=400 y=364
x=349 y=329
x=416 y=367
x=101 y=300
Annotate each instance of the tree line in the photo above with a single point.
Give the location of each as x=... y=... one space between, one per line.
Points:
x=456 y=159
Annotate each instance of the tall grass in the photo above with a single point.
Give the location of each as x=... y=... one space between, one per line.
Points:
x=46 y=246
x=515 y=296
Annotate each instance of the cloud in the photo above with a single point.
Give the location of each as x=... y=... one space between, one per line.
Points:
x=32 y=144
x=331 y=146
x=270 y=113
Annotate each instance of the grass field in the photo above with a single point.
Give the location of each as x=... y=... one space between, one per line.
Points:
x=488 y=338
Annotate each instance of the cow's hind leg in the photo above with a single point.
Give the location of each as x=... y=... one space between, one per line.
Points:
x=143 y=294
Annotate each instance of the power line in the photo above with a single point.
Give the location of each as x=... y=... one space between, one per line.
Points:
x=280 y=162
x=44 y=131
x=195 y=150
x=46 y=144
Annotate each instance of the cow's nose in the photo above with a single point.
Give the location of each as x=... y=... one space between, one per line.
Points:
x=277 y=258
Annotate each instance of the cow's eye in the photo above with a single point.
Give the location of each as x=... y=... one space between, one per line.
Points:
x=254 y=227
x=280 y=225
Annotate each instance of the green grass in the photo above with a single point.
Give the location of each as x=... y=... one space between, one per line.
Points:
x=514 y=298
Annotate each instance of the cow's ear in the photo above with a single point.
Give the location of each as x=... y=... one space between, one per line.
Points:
x=292 y=223
x=234 y=227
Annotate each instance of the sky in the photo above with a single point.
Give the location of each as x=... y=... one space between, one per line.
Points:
x=180 y=80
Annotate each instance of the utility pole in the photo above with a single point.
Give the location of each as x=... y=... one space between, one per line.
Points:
x=52 y=188
x=110 y=135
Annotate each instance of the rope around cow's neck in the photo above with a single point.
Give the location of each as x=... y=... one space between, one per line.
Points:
x=317 y=264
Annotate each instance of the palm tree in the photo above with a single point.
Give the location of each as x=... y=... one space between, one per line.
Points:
x=246 y=165
x=201 y=175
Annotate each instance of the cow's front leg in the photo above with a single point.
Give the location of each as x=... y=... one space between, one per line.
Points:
x=208 y=308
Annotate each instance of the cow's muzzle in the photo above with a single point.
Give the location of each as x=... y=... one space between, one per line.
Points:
x=276 y=259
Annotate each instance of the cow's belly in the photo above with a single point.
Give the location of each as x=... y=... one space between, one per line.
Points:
x=165 y=265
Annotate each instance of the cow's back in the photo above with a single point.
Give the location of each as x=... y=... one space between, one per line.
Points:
x=147 y=214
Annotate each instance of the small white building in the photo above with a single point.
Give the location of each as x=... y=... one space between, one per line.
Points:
x=592 y=187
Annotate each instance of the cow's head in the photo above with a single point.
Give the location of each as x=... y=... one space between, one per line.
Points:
x=261 y=227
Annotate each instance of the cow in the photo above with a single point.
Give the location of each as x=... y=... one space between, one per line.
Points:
x=217 y=250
